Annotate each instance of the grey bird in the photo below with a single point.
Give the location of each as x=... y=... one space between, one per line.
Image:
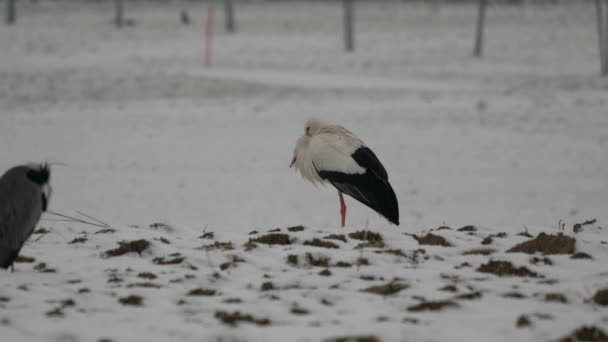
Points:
x=24 y=195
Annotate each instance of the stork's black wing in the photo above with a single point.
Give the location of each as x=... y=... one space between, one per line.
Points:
x=370 y=188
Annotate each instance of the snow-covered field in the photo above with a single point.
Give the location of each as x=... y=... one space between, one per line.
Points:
x=150 y=135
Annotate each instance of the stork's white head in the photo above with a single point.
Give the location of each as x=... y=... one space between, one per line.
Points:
x=40 y=173
x=313 y=126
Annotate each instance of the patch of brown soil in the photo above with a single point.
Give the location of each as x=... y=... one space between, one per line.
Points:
x=226 y=246
x=370 y=244
x=132 y=300
x=160 y=225
x=232 y=300
x=556 y=297
x=506 y=268
x=366 y=235
x=449 y=288
x=585 y=333
x=80 y=239
x=601 y=297
x=41 y=267
x=295 y=229
x=543 y=260
x=147 y=275
x=523 y=321
x=233 y=262
x=479 y=251
x=274 y=230
x=163 y=240
x=292 y=259
x=267 y=286
x=207 y=235
x=339 y=237
x=387 y=289
x=125 y=247
x=432 y=240
x=469 y=296
x=369 y=338
x=273 y=239
x=547 y=244
x=581 y=255
x=24 y=259
x=320 y=243
x=514 y=295
x=325 y=273
x=168 y=261
x=296 y=310
x=432 y=306
x=468 y=228
x=202 y=292
x=145 y=285
x=236 y=317
x=106 y=231
x=487 y=240
x=321 y=261
x=343 y=264
x=578 y=227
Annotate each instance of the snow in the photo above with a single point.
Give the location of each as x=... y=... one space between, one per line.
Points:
x=148 y=134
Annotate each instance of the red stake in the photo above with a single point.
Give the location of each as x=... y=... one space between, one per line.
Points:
x=209 y=36
x=342 y=208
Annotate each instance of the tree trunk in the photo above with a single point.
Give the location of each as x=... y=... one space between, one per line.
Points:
x=229 y=20
x=481 y=17
x=349 y=39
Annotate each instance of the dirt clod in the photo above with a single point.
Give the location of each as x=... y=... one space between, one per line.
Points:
x=581 y=255
x=147 y=275
x=387 y=289
x=506 y=268
x=523 y=321
x=202 y=292
x=325 y=273
x=80 y=239
x=479 y=251
x=366 y=235
x=339 y=237
x=585 y=333
x=267 y=286
x=321 y=261
x=106 y=231
x=292 y=259
x=296 y=310
x=226 y=246
x=24 y=259
x=125 y=247
x=469 y=296
x=601 y=297
x=449 y=288
x=432 y=306
x=132 y=300
x=543 y=260
x=468 y=228
x=273 y=239
x=556 y=297
x=168 y=261
x=432 y=240
x=547 y=244
x=41 y=267
x=514 y=295
x=320 y=243
x=487 y=240
x=369 y=338
x=295 y=229
x=235 y=317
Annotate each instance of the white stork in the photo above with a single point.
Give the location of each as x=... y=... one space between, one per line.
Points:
x=331 y=153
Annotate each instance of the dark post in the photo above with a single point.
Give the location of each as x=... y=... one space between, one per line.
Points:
x=118 y=15
x=229 y=20
x=349 y=36
x=601 y=34
x=605 y=22
x=11 y=12
x=481 y=17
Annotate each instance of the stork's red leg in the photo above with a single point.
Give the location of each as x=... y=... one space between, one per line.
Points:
x=342 y=208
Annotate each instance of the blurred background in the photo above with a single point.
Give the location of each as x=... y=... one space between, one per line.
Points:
x=483 y=112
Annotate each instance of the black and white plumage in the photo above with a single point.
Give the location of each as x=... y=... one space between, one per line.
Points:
x=331 y=153
x=24 y=196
